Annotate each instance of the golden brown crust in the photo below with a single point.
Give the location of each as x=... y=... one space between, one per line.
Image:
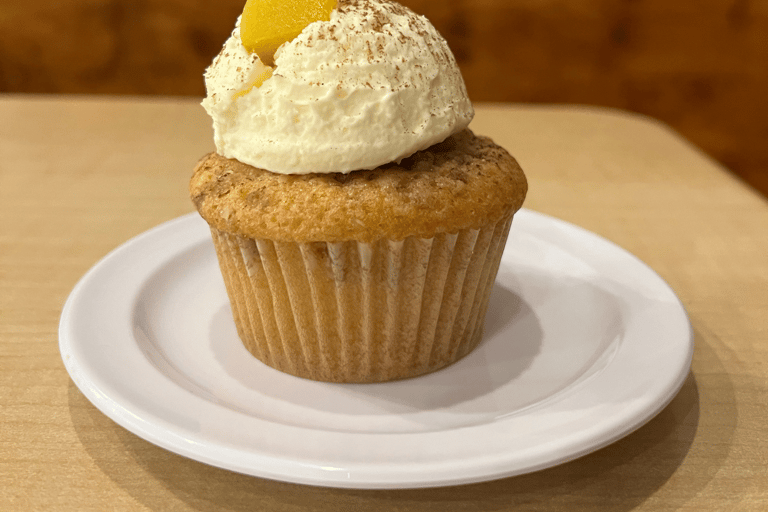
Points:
x=464 y=182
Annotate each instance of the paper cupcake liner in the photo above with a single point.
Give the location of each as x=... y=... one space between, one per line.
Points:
x=361 y=312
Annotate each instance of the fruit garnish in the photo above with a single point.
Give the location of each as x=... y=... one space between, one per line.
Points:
x=266 y=24
x=261 y=74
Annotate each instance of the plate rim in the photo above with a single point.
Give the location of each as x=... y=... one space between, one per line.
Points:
x=277 y=468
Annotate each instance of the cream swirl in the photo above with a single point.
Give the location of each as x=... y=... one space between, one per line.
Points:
x=373 y=85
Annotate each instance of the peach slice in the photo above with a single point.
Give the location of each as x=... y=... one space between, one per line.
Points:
x=259 y=75
x=266 y=24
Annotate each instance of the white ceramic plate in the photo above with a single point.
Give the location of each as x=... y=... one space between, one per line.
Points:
x=584 y=343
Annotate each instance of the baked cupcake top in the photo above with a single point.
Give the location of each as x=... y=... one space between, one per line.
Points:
x=463 y=182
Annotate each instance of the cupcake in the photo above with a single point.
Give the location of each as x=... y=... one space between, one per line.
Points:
x=358 y=223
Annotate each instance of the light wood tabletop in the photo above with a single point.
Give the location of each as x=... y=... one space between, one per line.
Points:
x=81 y=175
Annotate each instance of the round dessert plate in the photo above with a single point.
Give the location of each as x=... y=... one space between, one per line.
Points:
x=583 y=344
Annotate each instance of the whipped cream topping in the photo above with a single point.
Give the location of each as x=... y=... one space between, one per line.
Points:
x=373 y=85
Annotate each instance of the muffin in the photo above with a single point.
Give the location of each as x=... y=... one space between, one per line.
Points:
x=357 y=253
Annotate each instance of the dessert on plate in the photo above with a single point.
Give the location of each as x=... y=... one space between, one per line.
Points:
x=358 y=222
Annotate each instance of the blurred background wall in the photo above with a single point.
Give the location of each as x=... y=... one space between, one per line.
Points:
x=701 y=66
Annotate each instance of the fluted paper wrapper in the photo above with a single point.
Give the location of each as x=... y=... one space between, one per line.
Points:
x=361 y=312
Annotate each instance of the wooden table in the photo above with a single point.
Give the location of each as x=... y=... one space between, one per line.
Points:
x=80 y=175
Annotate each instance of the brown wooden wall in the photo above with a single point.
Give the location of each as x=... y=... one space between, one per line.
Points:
x=699 y=65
